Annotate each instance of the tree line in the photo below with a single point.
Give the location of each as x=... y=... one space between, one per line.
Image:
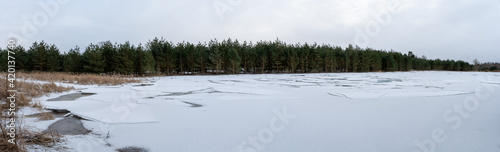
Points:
x=487 y=66
x=219 y=57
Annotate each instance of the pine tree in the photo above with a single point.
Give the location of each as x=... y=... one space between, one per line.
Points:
x=110 y=55
x=234 y=60
x=328 y=57
x=180 y=57
x=303 y=53
x=93 y=59
x=277 y=54
x=250 y=63
x=73 y=60
x=293 y=59
x=126 y=56
x=201 y=57
x=54 y=62
x=3 y=59
x=216 y=59
x=228 y=56
x=156 y=48
x=315 y=60
x=261 y=55
x=366 y=61
x=191 y=57
x=245 y=56
x=38 y=52
x=376 y=64
x=169 y=57
x=144 y=61
x=354 y=58
x=347 y=57
x=393 y=64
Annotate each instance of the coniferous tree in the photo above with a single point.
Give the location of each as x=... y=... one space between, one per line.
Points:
x=347 y=59
x=169 y=56
x=228 y=56
x=73 y=60
x=365 y=61
x=191 y=57
x=376 y=62
x=215 y=56
x=202 y=57
x=110 y=55
x=316 y=62
x=234 y=60
x=180 y=57
x=156 y=48
x=293 y=58
x=144 y=61
x=329 y=59
x=38 y=52
x=251 y=53
x=261 y=55
x=303 y=53
x=126 y=56
x=216 y=59
x=354 y=59
x=21 y=57
x=245 y=56
x=3 y=59
x=54 y=62
x=277 y=54
x=93 y=59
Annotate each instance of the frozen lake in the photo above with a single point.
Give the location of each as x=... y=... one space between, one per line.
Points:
x=390 y=112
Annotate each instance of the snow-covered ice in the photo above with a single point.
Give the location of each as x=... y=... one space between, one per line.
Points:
x=401 y=111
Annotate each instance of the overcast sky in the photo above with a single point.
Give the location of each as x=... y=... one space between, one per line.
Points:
x=446 y=29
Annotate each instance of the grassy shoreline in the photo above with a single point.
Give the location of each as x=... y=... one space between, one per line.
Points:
x=28 y=90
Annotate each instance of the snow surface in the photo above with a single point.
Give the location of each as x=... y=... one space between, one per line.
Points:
x=390 y=112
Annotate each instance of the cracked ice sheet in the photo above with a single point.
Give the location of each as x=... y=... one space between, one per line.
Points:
x=396 y=94
x=109 y=105
x=227 y=119
x=117 y=112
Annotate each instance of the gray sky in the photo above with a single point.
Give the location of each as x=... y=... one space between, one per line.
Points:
x=458 y=29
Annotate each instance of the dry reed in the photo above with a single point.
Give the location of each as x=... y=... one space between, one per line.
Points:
x=27 y=91
x=83 y=79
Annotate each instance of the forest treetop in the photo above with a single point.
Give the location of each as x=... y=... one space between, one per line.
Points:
x=226 y=56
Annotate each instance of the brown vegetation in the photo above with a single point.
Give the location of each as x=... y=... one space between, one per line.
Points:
x=27 y=94
x=83 y=79
x=47 y=139
x=28 y=137
x=43 y=116
x=26 y=91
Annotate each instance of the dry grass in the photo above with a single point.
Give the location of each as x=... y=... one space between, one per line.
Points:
x=47 y=139
x=27 y=94
x=43 y=116
x=6 y=146
x=132 y=149
x=46 y=116
x=36 y=103
x=83 y=79
x=26 y=91
x=28 y=137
